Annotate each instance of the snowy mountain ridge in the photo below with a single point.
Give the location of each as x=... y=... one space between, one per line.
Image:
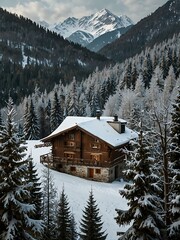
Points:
x=93 y=26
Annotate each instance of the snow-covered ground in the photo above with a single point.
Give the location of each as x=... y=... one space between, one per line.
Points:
x=77 y=189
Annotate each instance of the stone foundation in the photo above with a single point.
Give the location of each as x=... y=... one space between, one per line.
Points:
x=92 y=172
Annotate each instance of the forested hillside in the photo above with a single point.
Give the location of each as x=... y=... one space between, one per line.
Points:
x=144 y=90
x=123 y=89
x=43 y=74
x=153 y=29
x=31 y=55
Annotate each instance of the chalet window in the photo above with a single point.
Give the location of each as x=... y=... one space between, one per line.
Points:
x=71 y=136
x=69 y=155
x=98 y=171
x=95 y=157
x=73 y=169
x=95 y=145
x=70 y=144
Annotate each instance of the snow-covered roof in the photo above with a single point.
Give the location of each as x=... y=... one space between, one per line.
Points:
x=99 y=128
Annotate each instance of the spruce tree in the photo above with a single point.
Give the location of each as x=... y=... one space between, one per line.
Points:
x=35 y=189
x=142 y=195
x=16 y=211
x=73 y=105
x=91 y=224
x=31 y=124
x=49 y=203
x=63 y=218
x=56 y=113
x=174 y=229
x=73 y=228
x=1 y=121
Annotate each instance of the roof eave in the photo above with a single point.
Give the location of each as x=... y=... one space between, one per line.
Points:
x=46 y=139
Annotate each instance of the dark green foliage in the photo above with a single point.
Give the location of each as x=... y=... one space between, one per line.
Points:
x=147 y=70
x=44 y=111
x=31 y=124
x=49 y=58
x=127 y=77
x=174 y=230
x=72 y=104
x=73 y=228
x=107 y=88
x=91 y=224
x=142 y=194
x=155 y=28
x=1 y=121
x=94 y=104
x=56 y=113
x=49 y=206
x=17 y=213
x=63 y=218
x=35 y=189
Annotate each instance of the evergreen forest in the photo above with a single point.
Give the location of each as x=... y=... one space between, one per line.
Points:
x=37 y=95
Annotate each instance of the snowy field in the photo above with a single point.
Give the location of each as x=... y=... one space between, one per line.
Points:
x=77 y=190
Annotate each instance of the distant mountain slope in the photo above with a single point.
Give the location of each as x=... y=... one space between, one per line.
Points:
x=31 y=55
x=160 y=25
x=106 y=38
x=88 y=28
x=81 y=37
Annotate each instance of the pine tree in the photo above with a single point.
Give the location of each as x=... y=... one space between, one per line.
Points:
x=35 y=189
x=25 y=113
x=16 y=211
x=142 y=196
x=31 y=124
x=49 y=205
x=94 y=104
x=56 y=113
x=147 y=70
x=63 y=218
x=91 y=224
x=73 y=228
x=174 y=229
x=48 y=117
x=127 y=76
x=1 y=121
x=73 y=105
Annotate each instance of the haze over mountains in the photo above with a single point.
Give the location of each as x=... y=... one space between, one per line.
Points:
x=88 y=28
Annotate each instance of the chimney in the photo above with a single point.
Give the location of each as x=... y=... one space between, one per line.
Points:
x=115 y=118
x=117 y=125
x=98 y=114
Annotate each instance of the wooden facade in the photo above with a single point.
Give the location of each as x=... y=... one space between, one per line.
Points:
x=78 y=152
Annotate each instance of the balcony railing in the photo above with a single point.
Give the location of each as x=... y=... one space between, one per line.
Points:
x=53 y=161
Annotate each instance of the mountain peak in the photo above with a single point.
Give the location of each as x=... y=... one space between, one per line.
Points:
x=104 y=11
x=96 y=24
x=70 y=20
x=104 y=14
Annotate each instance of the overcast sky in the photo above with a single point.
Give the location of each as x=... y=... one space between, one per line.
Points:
x=54 y=11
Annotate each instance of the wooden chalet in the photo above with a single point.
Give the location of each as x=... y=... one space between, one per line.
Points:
x=89 y=147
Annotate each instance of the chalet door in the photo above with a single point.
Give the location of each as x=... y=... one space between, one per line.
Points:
x=116 y=172
x=90 y=172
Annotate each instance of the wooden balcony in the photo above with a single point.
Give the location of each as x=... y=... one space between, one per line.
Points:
x=48 y=159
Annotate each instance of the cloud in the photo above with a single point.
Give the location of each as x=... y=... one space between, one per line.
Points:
x=51 y=11
x=137 y=9
x=57 y=10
